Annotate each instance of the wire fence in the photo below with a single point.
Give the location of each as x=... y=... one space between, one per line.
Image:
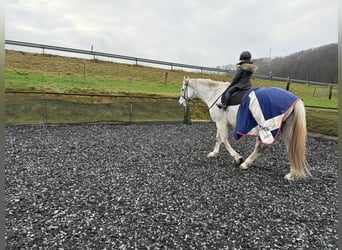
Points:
x=47 y=108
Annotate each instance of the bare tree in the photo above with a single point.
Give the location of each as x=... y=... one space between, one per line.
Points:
x=317 y=64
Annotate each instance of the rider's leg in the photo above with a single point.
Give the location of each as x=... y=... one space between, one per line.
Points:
x=226 y=97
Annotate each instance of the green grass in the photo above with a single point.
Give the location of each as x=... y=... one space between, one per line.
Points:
x=37 y=72
x=39 y=81
x=21 y=79
x=322 y=121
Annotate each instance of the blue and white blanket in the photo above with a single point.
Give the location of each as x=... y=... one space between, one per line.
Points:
x=262 y=113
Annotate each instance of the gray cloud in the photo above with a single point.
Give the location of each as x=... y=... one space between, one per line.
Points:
x=199 y=32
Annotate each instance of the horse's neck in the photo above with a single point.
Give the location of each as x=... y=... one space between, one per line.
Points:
x=208 y=93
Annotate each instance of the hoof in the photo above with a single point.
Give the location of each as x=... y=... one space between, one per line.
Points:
x=238 y=162
x=244 y=166
x=212 y=154
x=288 y=177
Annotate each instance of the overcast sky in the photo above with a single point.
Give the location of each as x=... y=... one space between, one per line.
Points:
x=200 y=32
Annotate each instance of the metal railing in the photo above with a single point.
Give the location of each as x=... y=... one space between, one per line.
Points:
x=110 y=55
x=158 y=62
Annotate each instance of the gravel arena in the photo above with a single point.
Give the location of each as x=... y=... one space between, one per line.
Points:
x=151 y=186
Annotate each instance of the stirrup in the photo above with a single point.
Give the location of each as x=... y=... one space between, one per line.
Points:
x=220 y=106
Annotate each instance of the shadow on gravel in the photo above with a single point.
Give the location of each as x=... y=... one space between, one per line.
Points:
x=152 y=187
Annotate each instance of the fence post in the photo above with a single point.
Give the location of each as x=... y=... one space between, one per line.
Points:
x=45 y=109
x=288 y=83
x=131 y=113
x=187 y=119
x=165 y=77
x=330 y=92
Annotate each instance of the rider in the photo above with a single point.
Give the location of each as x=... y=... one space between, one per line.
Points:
x=241 y=79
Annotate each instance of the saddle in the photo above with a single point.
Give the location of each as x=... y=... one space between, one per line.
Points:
x=236 y=97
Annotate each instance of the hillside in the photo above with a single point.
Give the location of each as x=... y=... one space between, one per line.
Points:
x=317 y=64
x=34 y=71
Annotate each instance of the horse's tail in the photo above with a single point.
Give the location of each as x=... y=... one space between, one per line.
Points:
x=297 y=143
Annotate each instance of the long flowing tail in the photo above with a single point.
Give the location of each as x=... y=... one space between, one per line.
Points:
x=297 y=143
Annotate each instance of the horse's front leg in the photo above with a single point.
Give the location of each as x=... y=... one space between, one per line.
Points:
x=218 y=142
x=258 y=149
x=222 y=137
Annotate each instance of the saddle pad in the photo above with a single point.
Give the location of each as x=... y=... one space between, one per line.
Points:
x=262 y=113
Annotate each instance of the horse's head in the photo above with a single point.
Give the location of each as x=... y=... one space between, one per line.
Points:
x=187 y=92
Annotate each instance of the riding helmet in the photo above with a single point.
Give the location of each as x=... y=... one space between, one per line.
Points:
x=245 y=55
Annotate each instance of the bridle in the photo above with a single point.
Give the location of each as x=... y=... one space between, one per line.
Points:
x=185 y=91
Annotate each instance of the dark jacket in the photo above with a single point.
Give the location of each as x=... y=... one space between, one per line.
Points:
x=243 y=75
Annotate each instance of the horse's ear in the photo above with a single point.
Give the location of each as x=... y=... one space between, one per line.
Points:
x=186 y=78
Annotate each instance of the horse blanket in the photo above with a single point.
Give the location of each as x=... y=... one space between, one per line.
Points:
x=262 y=113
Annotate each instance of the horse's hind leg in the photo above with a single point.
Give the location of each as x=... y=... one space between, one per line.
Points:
x=286 y=134
x=294 y=134
x=258 y=149
x=237 y=157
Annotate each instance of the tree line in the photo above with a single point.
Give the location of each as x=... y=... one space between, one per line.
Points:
x=318 y=64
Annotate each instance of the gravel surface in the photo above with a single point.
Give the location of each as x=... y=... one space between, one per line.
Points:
x=152 y=187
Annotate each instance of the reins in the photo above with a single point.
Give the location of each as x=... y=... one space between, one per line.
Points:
x=216 y=100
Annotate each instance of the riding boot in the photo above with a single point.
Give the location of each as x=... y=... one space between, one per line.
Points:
x=225 y=99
